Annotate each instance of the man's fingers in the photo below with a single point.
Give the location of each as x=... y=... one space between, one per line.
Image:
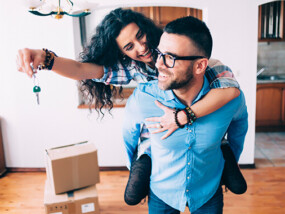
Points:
x=153 y=119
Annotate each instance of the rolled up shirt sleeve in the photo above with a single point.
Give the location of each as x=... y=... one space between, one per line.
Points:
x=116 y=75
x=220 y=75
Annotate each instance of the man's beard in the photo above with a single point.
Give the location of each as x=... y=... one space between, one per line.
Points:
x=178 y=84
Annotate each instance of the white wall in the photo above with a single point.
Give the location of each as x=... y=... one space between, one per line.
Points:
x=28 y=129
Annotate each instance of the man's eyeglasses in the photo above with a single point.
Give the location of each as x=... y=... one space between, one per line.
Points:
x=169 y=60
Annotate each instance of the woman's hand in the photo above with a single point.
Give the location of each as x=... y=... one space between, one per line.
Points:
x=167 y=121
x=27 y=56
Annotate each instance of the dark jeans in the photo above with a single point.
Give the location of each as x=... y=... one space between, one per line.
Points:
x=213 y=206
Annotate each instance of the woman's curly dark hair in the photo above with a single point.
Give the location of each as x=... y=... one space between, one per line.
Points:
x=103 y=50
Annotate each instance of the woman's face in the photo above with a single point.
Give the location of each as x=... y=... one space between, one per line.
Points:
x=132 y=42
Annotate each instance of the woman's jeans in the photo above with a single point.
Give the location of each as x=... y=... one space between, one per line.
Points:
x=213 y=206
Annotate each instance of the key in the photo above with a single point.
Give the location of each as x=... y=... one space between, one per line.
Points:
x=37 y=90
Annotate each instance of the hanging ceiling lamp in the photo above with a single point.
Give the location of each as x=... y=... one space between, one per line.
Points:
x=58 y=8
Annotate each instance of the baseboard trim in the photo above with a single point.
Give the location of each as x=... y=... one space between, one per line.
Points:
x=113 y=168
x=103 y=168
x=3 y=172
x=24 y=169
x=247 y=166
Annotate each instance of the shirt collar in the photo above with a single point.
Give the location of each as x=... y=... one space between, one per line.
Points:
x=169 y=95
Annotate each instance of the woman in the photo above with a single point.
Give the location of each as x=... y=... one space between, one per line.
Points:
x=120 y=51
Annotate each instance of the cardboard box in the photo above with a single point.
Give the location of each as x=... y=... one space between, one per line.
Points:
x=72 y=166
x=82 y=201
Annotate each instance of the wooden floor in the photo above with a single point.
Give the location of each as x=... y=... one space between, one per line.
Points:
x=22 y=193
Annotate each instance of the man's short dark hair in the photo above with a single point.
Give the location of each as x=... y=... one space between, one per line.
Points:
x=194 y=29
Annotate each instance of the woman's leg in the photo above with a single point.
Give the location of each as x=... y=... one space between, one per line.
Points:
x=139 y=179
x=138 y=184
x=232 y=177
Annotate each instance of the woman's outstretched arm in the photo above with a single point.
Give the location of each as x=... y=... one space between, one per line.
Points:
x=62 y=66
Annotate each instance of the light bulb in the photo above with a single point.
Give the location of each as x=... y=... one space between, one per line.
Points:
x=84 y=4
x=32 y=4
x=48 y=7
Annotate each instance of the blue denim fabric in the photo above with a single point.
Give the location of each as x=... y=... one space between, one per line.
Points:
x=157 y=206
x=187 y=166
x=213 y=206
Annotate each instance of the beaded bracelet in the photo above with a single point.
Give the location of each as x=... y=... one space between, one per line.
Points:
x=176 y=119
x=191 y=114
x=187 y=114
x=49 y=60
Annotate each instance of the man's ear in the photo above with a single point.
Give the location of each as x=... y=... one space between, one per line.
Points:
x=201 y=65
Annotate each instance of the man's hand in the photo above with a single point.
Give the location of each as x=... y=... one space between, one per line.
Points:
x=27 y=56
x=166 y=122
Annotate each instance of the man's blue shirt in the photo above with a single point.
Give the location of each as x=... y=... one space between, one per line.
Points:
x=187 y=166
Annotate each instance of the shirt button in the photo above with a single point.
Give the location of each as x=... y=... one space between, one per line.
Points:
x=188 y=177
x=187 y=190
x=189 y=147
x=188 y=163
x=190 y=130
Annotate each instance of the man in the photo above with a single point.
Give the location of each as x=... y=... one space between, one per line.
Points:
x=188 y=172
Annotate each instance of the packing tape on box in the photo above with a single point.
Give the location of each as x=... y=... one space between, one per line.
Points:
x=75 y=172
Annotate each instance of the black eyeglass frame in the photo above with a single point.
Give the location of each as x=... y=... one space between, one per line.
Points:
x=160 y=54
